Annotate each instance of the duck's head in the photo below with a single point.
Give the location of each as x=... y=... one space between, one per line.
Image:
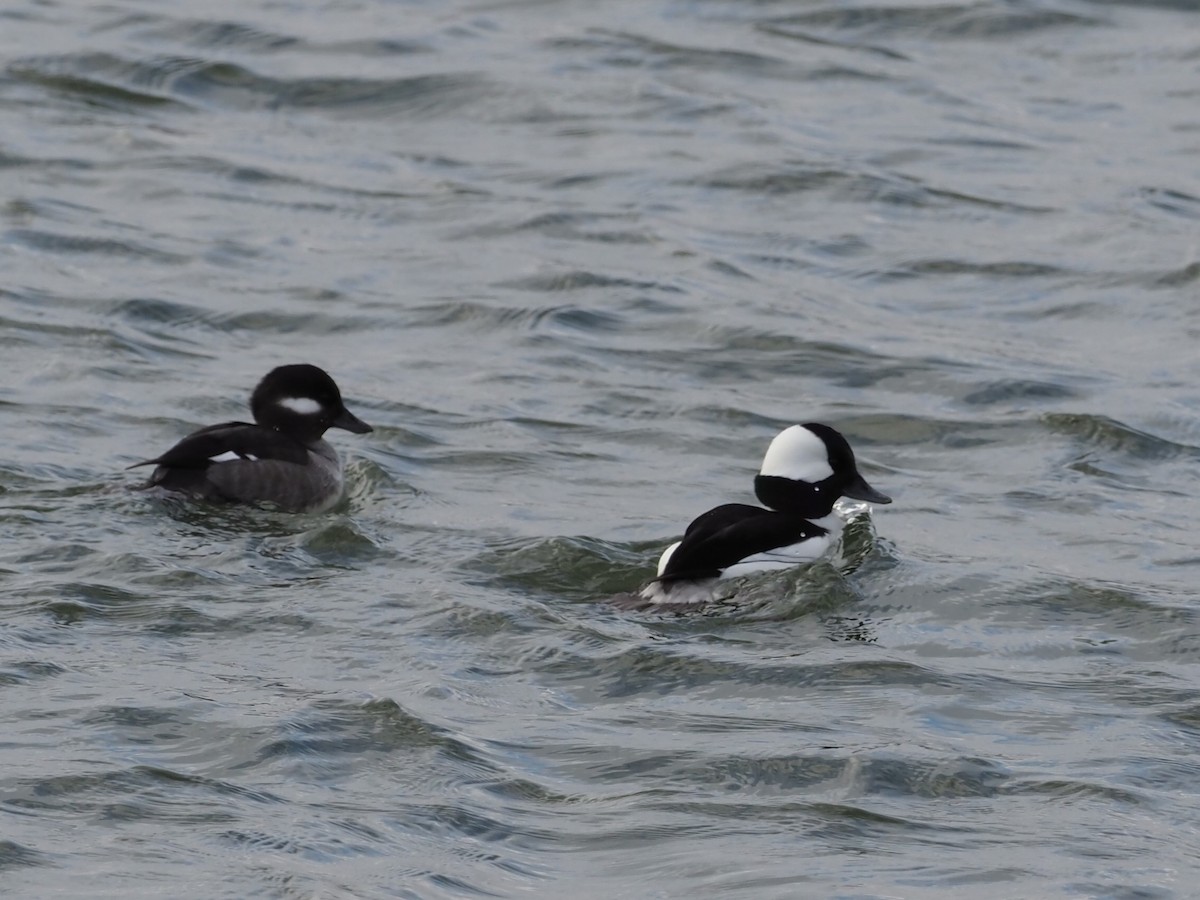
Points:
x=304 y=401
x=807 y=468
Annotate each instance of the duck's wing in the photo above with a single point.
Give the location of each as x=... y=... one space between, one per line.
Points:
x=229 y=442
x=728 y=534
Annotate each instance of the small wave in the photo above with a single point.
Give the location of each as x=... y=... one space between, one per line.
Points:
x=199 y=82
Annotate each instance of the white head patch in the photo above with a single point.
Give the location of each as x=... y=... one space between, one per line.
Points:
x=303 y=406
x=798 y=454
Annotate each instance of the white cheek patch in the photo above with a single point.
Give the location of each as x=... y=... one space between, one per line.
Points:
x=798 y=454
x=303 y=406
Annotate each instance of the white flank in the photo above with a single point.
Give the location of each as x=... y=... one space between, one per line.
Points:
x=798 y=454
x=792 y=554
x=303 y=406
x=781 y=557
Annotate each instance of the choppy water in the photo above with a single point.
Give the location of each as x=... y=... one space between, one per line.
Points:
x=577 y=263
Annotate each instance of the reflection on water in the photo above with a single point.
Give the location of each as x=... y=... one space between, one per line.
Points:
x=577 y=264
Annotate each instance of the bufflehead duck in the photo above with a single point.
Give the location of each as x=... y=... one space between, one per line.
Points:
x=281 y=459
x=806 y=469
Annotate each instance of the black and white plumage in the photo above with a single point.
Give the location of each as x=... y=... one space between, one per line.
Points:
x=807 y=468
x=282 y=458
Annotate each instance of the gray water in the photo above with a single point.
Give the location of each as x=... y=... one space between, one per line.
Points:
x=578 y=263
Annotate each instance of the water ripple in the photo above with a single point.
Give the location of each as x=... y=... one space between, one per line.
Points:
x=203 y=83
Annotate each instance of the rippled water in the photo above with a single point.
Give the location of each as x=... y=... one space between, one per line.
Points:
x=577 y=263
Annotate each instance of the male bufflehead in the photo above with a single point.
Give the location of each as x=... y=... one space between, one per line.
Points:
x=281 y=459
x=806 y=469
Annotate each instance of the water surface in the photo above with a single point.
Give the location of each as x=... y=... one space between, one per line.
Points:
x=578 y=263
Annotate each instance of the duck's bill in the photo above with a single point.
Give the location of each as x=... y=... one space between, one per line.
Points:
x=858 y=489
x=351 y=422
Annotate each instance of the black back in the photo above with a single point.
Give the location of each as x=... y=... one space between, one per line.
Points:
x=197 y=449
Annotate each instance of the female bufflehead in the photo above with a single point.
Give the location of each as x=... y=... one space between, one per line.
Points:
x=281 y=459
x=806 y=469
